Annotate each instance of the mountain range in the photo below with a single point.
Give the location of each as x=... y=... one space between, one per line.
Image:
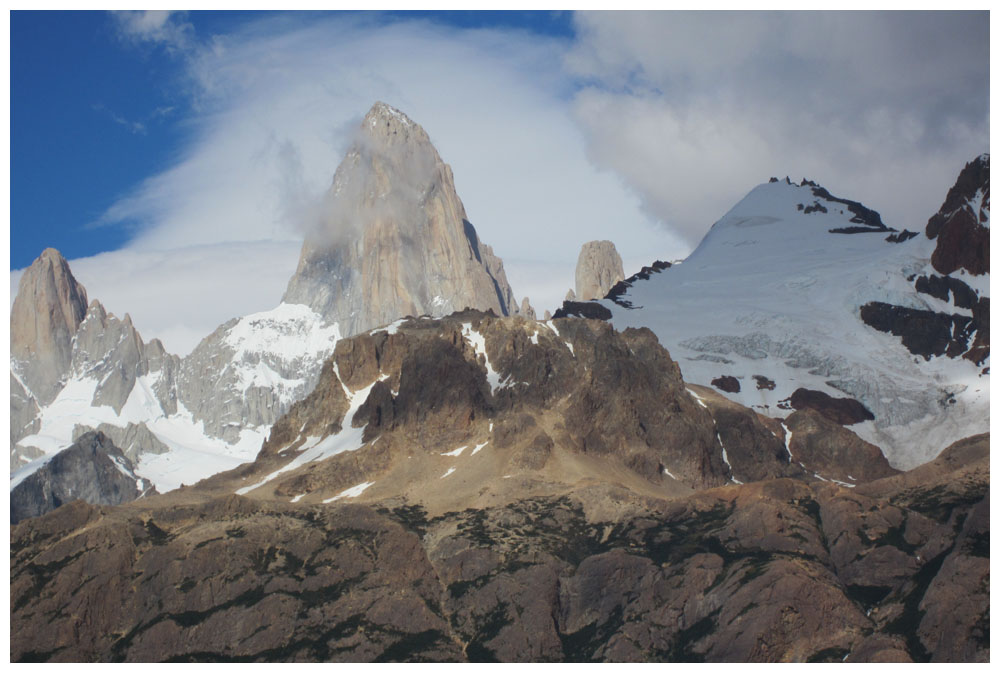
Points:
x=775 y=449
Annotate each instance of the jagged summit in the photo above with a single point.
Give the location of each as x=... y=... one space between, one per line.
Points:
x=393 y=238
x=49 y=306
x=387 y=122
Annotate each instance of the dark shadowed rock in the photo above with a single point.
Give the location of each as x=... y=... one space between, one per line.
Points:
x=92 y=469
x=729 y=384
x=582 y=309
x=926 y=333
x=961 y=226
x=842 y=410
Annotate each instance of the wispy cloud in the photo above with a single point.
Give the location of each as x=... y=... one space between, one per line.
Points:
x=134 y=127
x=166 y=28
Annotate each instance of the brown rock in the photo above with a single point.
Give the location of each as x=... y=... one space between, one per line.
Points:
x=832 y=451
x=729 y=384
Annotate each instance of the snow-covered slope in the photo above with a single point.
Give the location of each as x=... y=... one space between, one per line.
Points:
x=237 y=383
x=772 y=292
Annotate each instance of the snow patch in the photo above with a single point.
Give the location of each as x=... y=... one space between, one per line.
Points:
x=348 y=439
x=352 y=492
x=478 y=342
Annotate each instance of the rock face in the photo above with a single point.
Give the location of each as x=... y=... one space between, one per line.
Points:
x=113 y=353
x=93 y=469
x=598 y=269
x=394 y=239
x=821 y=446
x=134 y=440
x=842 y=410
x=82 y=358
x=248 y=372
x=780 y=570
x=961 y=226
x=49 y=307
x=573 y=387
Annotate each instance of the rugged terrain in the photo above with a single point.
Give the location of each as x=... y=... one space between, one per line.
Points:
x=391 y=239
x=483 y=488
x=780 y=570
x=399 y=463
x=598 y=269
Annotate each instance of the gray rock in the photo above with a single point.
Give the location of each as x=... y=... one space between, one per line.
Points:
x=393 y=238
x=93 y=469
x=112 y=352
x=23 y=415
x=49 y=306
x=134 y=439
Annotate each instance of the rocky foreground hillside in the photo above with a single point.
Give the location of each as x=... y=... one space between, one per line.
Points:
x=482 y=488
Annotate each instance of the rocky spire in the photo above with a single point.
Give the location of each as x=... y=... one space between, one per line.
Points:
x=598 y=268
x=393 y=238
x=48 y=309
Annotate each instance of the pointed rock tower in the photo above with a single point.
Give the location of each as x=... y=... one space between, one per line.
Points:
x=598 y=268
x=393 y=239
x=48 y=309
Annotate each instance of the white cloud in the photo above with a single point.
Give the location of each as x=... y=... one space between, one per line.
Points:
x=694 y=109
x=279 y=103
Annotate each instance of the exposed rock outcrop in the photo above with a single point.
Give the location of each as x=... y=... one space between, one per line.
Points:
x=932 y=333
x=249 y=371
x=428 y=386
x=112 y=352
x=729 y=384
x=822 y=446
x=23 y=419
x=598 y=268
x=841 y=410
x=133 y=440
x=93 y=469
x=47 y=310
x=394 y=239
x=961 y=226
x=526 y=309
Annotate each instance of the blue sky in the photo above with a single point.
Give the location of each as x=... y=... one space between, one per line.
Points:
x=173 y=157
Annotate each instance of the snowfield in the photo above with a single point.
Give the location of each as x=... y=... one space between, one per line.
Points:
x=771 y=292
